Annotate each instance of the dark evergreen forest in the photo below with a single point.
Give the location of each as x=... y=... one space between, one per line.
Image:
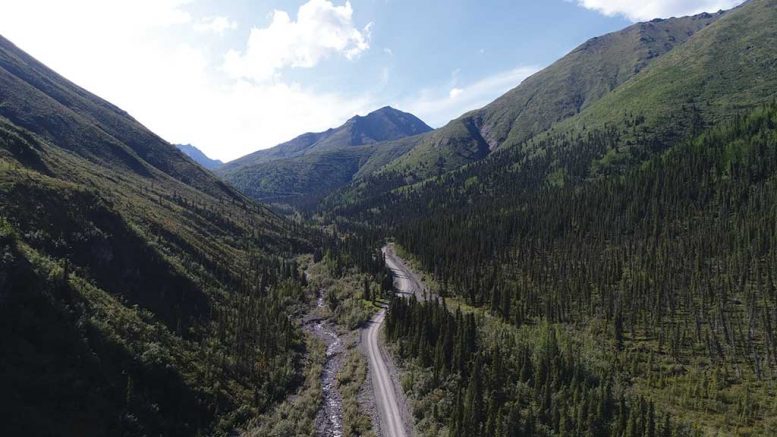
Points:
x=674 y=260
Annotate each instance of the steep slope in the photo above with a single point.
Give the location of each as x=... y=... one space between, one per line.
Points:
x=639 y=235
x=724 y=70
x=302 y=181
x=44 y=102
x=721 y=70
x=556 y=93
x=641 y=230
x=130 y=302
x=199 y=157
x=384 y=124
x=307 y=168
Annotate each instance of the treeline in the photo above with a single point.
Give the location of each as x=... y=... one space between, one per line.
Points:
x=516 y=388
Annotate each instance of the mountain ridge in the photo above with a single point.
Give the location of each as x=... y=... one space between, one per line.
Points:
x=686 y=90
x=107 y=133
x=384 y=124
x=120 y=256
x=305 y=169
x=555 y=93
x=199 y=156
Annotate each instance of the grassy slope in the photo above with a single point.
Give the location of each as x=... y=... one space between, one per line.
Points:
x=724 y=70
x=120 y=256
x=557 y=93
x=38 y=99
x=560 y=91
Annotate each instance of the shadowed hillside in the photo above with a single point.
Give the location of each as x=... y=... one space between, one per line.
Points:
x=136 y=289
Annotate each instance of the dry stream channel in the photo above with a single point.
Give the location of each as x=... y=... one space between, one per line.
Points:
x=329 y=421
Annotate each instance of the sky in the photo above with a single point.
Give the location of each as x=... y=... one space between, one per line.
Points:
x=235 y=76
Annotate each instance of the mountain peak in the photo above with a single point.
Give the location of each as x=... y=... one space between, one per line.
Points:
x=314 y=164
x=386 y=109
x=382 y=112
x=384 y=124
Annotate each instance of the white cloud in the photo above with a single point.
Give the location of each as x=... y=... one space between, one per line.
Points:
x=217 y=25
x=641 y=10
x=321 y=30
x=438 y=106
x=149 y=58
x=244 y=116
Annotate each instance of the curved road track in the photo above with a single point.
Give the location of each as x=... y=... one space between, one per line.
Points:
x=392 y=412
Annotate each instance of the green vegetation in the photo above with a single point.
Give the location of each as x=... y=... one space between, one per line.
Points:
x=350 y=382
x=629 y=258
x=304 y=170
x=638 y=230
x=646 y=88
x=487 y=378
x=556 y=93
x=344 y=292
x=138 y=294
x=297 y=415
x=302 y=181
x=603 y=237
x=352 y=276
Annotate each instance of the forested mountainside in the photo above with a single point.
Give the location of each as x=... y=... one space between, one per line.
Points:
x=139 y=294
x=594 y=253
x=616 y=272
x=384 y=124
x=725 y=67
x=671 y=266
x=304 y=180
x=305 y=169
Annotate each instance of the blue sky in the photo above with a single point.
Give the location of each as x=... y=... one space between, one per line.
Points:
x=234 y=76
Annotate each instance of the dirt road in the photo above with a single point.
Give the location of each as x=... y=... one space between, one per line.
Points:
x=393 y=413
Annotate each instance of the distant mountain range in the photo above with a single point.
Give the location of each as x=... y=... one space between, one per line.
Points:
x=669 y=61
x=651 y=84
x=304 y=169
x=199 y=157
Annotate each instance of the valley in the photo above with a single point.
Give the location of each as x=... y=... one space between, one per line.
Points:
x=592 y=253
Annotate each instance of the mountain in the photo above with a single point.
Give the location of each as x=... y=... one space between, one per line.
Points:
x=124 y=275
x=674 y=77
x=631 y=245
x=303 y=170
x=199 y=157
x=556 y=93
x=384 y=124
